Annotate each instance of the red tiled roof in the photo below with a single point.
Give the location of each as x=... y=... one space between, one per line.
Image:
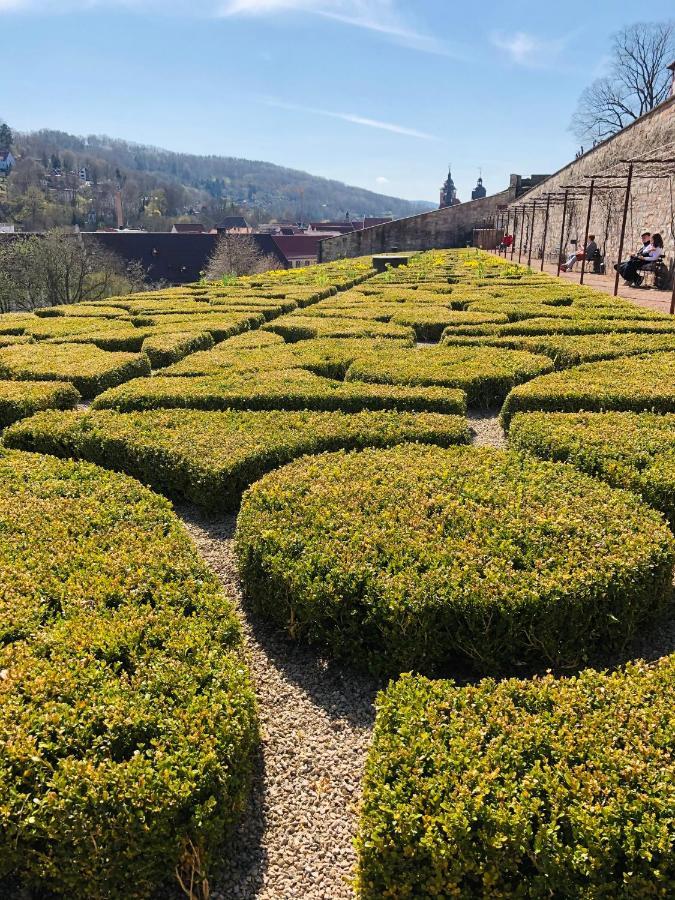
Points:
x=297 y=245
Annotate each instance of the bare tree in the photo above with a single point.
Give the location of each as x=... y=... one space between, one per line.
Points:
x=638 y=80
x=238 y=254
x=59 y=268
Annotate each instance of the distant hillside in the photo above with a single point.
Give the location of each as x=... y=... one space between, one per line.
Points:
x=159 y=185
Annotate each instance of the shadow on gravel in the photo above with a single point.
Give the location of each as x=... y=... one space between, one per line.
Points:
x=341 y=692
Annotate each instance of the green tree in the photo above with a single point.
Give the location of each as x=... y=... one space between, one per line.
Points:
x=6 y=137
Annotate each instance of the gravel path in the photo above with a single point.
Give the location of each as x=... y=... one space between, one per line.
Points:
x=486 y=428
x=295 y=842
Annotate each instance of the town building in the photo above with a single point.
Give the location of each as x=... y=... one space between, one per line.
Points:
x=233 y=225
x=7 y=162
x=299 y=249
x=187 y=228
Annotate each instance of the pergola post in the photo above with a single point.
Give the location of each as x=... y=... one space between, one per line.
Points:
x=515 y=228
x=562 y=231
x=522 y=225
x=588 y=225
x=623 y=227
x=543 y=244
x=531 y=235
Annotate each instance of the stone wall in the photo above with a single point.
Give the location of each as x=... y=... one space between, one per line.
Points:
x=650 y=209
x=442 y=228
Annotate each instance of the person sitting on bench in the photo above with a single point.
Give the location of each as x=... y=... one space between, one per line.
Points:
x=590 y=253
x=649 y=254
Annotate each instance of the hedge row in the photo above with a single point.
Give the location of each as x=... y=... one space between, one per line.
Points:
x=422 y=558
x=300 y=328
x=128 y=724
x=210 y=458
x=291 y=389
x=90 y=369
x=526 y=789
x=572 y=350
x=628 y=450
x=485 y=374
x=164 y=349
x=631 y=383
x=23 y=398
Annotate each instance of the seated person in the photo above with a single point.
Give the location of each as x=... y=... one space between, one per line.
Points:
x=589 y=253
x=649 y=253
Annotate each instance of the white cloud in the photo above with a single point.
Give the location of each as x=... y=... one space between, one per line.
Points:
x=382 y=180
x=352 y=118
x=381 y=16
x=529 y=50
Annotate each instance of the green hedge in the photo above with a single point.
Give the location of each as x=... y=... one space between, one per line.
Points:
x=628 y=450
x=526 y=789
x=82 y=309
x=572 y=350
x=127 y=725
x=430 y=322
x=292 y=389
x=631 y=383
x=67 y=326
x=122 y=340
x=90 y=369
x=421 y=558
x=23 y=398
x=300 y=328
x=164 y=349
x=485 y=374
x=211 y=457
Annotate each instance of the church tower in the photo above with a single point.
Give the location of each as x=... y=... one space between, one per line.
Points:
x=449 y=192
x=479 y=191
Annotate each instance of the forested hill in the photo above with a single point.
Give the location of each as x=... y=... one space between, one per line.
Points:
x=260 y=189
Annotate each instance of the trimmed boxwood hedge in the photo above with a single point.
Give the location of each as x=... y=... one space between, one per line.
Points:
x=127 y=722
x=422 y=558
x=211 y=457
x=292 y=389
x=23 y=398
x=165 y=349
x=629 y=450
x=572 y=350
x=90 y=369
x=631 y=383
x=485 y=374
x=301 y=328
x=526 y=789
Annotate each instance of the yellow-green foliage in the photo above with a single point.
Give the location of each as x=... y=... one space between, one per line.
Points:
x=485 y=374
x=90 y=369
x=23 y=398
x=164 y=349
x=127 y=722
x=631 y=383
x=87 y=310
x=528 y=789
x=630 y=450
x=211 y=457
x=291 y=389
x=421 y=558
x=571 y=350
x=299 y=328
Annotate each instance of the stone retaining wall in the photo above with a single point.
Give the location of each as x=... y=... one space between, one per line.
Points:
x=442 y=228
x=650 y=209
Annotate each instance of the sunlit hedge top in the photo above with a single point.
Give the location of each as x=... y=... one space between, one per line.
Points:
x=421 y=558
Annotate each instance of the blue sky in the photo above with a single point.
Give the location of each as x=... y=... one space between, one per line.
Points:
x=377 y=93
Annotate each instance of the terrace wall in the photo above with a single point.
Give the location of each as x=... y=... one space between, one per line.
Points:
x=651 y=206
x=442 y=228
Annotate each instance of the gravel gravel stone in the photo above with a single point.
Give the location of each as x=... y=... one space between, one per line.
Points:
x=296 y=839
x=486 y=429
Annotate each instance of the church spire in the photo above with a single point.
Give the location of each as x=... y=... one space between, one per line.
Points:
x=449 y=191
